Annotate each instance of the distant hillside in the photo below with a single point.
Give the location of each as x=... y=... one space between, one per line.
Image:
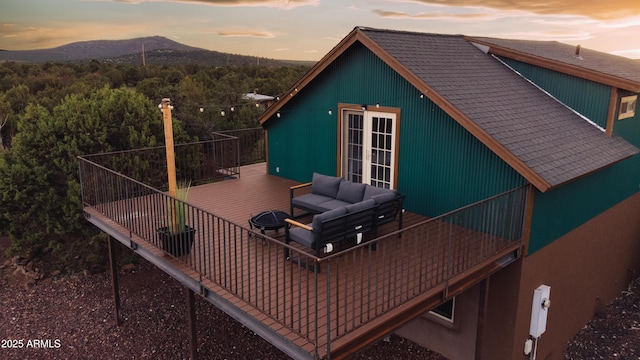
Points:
x=200 y=57
x=158 y=50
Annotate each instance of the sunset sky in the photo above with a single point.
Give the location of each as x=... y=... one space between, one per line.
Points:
x=308 y=29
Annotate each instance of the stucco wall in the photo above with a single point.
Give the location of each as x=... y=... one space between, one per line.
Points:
x=457 y=341
x=586 y=269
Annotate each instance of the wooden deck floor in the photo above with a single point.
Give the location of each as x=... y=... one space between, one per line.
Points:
x=357 y=297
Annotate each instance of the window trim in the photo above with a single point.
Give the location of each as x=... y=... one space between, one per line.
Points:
x=442 y=318
x=628 y=111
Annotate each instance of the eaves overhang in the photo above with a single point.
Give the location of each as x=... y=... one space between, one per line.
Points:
x=322 y=64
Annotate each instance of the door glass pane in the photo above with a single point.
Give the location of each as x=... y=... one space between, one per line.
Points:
x=354 y=147
x=381 y=150
x=368 y=147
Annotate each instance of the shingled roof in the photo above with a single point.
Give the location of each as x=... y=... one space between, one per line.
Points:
x=541 y=138
x=602 y=67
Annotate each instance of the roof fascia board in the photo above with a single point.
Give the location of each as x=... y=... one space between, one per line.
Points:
x=457 y=115
x=559 y=66
x=611 y=113
x=311 y=74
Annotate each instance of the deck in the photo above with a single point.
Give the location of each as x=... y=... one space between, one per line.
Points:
x=361 y=293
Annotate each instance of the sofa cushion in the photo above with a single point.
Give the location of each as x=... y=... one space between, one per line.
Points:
x=327 y=215
x=332 y=204
x=363 y=205
x=325 y=185
x=387 y=196
x=303 y=237
x=311 y=202
x=371 y=191
x=350 y=192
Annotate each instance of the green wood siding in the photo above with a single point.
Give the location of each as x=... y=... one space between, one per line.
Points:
x=589 y=98
x=441 y=166
x=561 y=210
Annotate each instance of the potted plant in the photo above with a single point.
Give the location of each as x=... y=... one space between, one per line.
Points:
x=177 y=237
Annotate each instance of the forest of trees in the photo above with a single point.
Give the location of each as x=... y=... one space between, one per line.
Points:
x=50 y=113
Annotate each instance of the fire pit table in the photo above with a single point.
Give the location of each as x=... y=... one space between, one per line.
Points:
x=268 y=220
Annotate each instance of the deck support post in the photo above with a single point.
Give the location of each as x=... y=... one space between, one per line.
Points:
x=114 y=279
x=191 y=323
x=482 y=315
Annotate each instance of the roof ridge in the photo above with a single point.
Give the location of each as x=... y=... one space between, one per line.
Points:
x=366 y=28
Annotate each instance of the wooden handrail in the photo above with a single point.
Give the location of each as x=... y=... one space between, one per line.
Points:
x=299 y=186
x=298 y=224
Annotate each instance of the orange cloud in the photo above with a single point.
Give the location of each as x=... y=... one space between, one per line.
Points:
x=246 y=33
x=284 y=4
x=597 y=9
x=421 y=16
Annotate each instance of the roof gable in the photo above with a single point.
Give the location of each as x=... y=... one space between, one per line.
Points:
x=539 y=137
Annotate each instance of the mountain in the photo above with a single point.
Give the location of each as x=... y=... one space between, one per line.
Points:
x=157 y=49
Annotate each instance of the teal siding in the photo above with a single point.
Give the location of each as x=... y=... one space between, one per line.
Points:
x=303 y=141
x=589 y=98
x=561 y=210
x=446 y=167
x=441 y=166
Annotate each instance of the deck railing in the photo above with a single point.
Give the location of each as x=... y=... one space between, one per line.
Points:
x=251 y=141
x=321 y=307
x=421 y=257
x=196 y=163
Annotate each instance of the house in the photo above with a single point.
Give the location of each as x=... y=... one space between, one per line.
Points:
x=450 y=120
x=262 y=101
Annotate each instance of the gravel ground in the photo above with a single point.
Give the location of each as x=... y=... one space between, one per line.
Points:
x=612 y=334
x=73 y=318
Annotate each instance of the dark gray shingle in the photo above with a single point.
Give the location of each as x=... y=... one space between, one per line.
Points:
x=546 y=136
x=601 y=62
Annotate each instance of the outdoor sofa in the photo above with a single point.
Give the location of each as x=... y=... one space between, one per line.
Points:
x=344 y=210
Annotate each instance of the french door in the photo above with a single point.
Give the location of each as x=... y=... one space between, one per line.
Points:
x=369 y=143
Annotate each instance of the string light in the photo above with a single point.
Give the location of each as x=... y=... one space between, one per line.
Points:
x=170 y=107
x=396 y=101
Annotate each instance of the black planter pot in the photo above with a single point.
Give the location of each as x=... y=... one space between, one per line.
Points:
x=176 y=244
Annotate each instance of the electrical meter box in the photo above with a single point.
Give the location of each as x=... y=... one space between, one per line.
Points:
x=539 y=310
